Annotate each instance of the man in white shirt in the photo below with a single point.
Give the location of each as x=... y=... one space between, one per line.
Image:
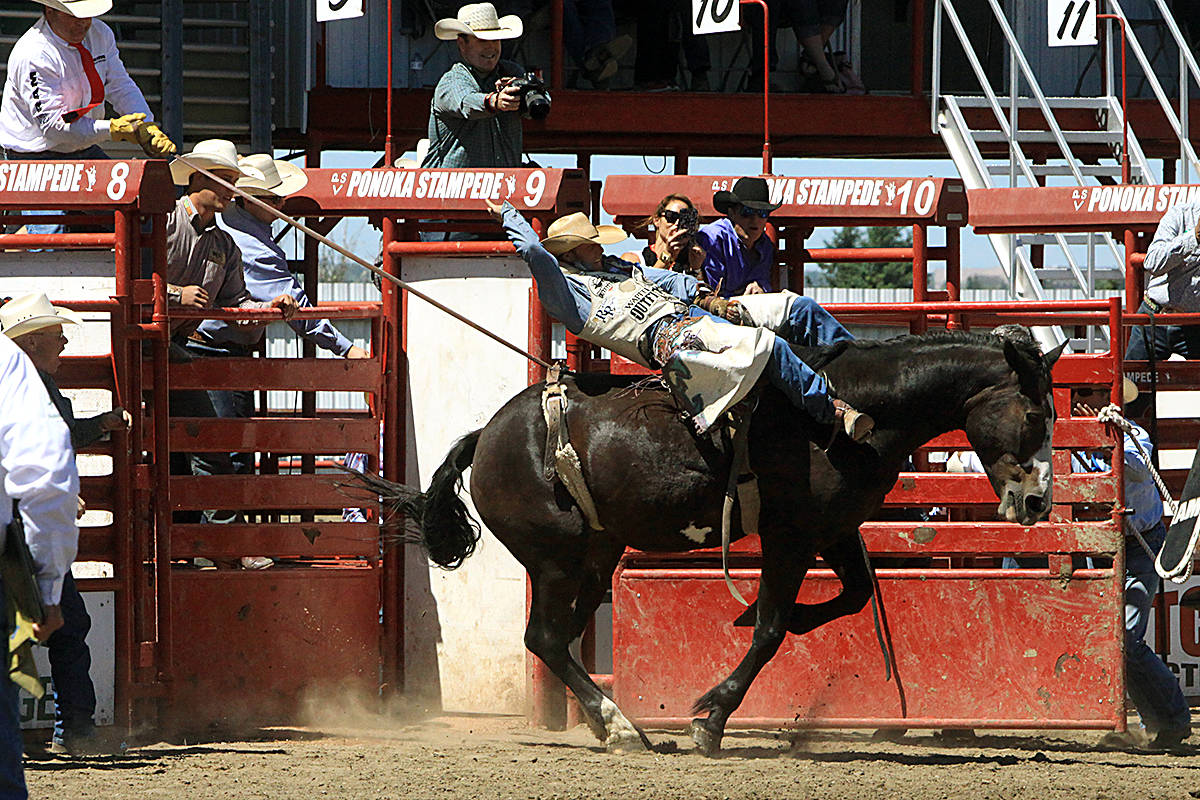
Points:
x=37 y=468
x=61 y=72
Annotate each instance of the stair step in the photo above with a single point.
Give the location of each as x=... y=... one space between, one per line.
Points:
x=1047 y=137
x=1091 y=170
x=1099 y=103
x=1065 y=274
x=1070 y=238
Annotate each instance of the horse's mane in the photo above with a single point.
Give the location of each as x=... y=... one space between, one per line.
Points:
x=818 y=357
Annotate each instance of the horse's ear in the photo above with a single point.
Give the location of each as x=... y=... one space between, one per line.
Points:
x=1026 y=367
x=1053 y=355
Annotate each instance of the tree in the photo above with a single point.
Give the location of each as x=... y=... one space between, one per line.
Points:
x=868 y=275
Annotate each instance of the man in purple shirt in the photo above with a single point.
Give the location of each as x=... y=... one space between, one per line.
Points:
x=740 y=256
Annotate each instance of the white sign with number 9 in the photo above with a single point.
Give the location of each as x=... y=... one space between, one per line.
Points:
x=715 y=16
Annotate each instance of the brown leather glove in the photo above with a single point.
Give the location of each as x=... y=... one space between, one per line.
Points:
x=721 y=307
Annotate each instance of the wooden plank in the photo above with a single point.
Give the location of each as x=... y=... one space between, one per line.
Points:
x=294 y=540
x=190 y=493
x=277 y=434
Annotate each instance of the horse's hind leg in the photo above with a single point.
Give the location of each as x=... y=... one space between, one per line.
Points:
x=782 y=573
x=565 y=597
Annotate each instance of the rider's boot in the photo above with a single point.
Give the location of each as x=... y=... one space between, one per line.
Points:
x=855 y=424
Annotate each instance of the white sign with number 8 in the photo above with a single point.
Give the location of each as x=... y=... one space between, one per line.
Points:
x=715 y=16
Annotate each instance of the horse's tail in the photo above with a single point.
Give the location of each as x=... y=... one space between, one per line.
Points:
x=439 y=516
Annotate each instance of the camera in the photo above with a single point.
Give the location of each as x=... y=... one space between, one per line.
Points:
x=535 y=99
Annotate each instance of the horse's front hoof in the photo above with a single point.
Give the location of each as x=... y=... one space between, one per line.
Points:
x=706 y=741
x=624 y=744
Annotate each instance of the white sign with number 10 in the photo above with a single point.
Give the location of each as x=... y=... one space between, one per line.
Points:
x=1071 y=22
x=715 y=16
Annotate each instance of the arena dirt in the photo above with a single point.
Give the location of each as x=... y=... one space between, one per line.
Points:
x=360 y=755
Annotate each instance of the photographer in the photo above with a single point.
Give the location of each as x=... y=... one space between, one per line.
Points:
x=474 y=120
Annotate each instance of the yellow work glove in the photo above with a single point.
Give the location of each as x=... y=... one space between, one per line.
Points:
x=125 y=129
x=154 y=142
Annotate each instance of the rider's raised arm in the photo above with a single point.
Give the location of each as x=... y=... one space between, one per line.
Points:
x=564 y=298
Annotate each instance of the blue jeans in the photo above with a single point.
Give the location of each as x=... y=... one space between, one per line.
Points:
x=809 y=325
x=229 y=403
x=12 y=770
x=93 y=153
x=1151 y=684
x=196 y=403
x=587 y=24
x=70 y=667
x=1168 y=339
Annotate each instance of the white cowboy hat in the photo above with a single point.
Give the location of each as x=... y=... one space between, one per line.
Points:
x=479 y=20
x=279 y=178
x=413 y=163
x=567 y=233
x=79 y=8
x=33 y=312
x=210 y=154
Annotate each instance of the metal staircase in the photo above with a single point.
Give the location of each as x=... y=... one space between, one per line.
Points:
x=1030 y=139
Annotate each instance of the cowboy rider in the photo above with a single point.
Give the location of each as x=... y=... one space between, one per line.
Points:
x=635 y=318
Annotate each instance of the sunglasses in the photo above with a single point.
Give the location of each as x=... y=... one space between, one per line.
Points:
x=746 y=211
x=671 y=216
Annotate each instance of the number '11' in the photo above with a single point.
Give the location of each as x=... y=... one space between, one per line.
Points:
x=1083 y=9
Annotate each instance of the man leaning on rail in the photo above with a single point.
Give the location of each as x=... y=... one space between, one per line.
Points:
x=1172 y=269
x=709 y=364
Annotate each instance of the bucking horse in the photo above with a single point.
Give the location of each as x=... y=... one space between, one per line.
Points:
x=658 y=486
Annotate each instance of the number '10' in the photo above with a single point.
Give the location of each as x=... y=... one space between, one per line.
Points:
x=715 y=10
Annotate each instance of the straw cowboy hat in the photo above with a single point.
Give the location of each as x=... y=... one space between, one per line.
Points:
x=479 y=20
x=413 y=163
x=33 y=312
x=749 y=192
x=79 y=8
x=567 y=233
x=210 y=154
x=279 y=178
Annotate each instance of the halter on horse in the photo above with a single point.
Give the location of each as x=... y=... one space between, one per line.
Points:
x=659 y=487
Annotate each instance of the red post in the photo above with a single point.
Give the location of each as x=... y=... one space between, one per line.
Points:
x=392 y=352
x=920 y=272
x=387 y=139
x=766 y=152
x=953 y=274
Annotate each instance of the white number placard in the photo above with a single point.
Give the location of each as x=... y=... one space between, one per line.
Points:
x=339 y=9
x=715 y=16
x=1071 y=22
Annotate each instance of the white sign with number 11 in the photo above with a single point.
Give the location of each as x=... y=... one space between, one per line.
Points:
x=715 y=16
x=1071 y=22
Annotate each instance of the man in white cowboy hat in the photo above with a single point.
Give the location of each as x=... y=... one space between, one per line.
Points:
x=709 y=364
x=267 y=275
x=36 y=327
x=37 y=468
x=61 y=73
x=474 y=119
x=204 y=270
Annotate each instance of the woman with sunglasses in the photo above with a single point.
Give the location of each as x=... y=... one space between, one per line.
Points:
x=675 y=222
x=739 y=255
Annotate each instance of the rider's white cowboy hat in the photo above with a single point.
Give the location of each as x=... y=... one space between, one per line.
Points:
x=479 y=20
x=279 y=178
x=33 y=312
x=567 y=233
x=79 y=8
x=210 y=154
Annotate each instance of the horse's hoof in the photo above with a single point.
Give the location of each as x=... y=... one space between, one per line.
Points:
x=706 y=741
x=624 y=744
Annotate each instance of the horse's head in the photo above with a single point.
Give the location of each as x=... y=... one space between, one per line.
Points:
x=1010 y=424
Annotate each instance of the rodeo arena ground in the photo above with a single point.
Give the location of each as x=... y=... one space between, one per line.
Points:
x=583 y=398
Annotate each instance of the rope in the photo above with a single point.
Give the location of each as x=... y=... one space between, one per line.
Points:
x=1111 y=415
x=362 y=263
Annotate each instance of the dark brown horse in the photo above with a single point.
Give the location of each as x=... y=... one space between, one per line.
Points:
x=659 y=487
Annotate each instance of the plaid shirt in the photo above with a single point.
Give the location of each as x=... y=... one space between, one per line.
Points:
x=462 y=132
